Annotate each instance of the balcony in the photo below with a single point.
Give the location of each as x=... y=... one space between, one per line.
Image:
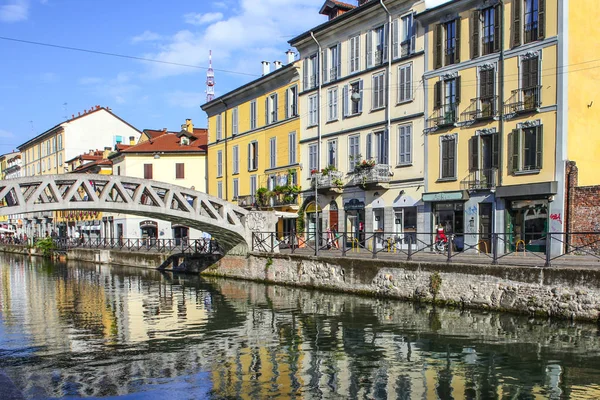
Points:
x=376 y=177
x=330 y=181
x=283 y=200
x=444 y=116
x=481 y=179
x=523 y=101
x=481 y=108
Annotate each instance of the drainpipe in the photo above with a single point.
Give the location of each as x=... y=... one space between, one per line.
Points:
x=319 y=57
x=225 y=158
x=501 y=95
x=389 y=85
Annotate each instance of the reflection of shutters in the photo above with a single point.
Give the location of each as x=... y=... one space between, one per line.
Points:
x=457 y=40
x=437 y=94
x=497 y=11
x=474 y=153
x=437 y=46
x=516 y=25
x=495 y=151
x=541 y=19
x=345 y=101
x=475 y=34
x=539 y=147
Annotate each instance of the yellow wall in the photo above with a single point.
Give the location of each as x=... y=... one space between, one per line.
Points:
x=583 y=90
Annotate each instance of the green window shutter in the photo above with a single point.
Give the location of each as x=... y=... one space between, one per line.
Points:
x=497 y=11
x=483 y=84
x=437 y=46
x=541 y=19
x=457 y=47
x=457 y=89
x=475 y=34
x=445 y=145
x=516 y=25
x=495 y=151
x=539 y=147
x=514 y=147
x=474 y=153
x=437 y=95
x=451 y=156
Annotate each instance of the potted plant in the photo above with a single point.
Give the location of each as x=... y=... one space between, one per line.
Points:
x=364 y=165
x=262 y=197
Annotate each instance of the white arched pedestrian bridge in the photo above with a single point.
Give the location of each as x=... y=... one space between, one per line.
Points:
x=226 y=222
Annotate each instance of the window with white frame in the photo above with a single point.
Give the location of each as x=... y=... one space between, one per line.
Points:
x=60 y=143
x=369 y=147
x=292 y=148
x=312 y=157
x=219 y=163
x=60 y=159
x=332 y=63
x=236 y=159
x=253 y=156
x=253 y=114
x=219 y=128
x=332 y=153
x=311 y=72
x=405 y=83
x=354 y=54
x=234 y=121
x=54 y=144
x=525 y=145
x=332 y=104
x=220 y=189
x=353 y=151
x=291 y=108
x=448 y=157
x=271 y=108
x=313 y=110
x=48 y=148
x=378 y=91
x=273 y=152
x=404 y=144
x=376 y=46
x=408 y=35
x=352 y=98
x=381 y=147
x=236 y=188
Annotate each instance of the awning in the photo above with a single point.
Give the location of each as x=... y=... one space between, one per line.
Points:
x=286 y=215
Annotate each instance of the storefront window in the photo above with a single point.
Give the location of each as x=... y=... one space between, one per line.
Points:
x=451 y=217
x=527 y=222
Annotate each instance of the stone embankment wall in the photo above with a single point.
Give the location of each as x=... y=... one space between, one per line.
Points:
x=557 y=292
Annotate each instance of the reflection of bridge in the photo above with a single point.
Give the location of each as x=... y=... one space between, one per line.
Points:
x=226 y=222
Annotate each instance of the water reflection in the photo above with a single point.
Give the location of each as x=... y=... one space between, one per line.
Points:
x=82 y=330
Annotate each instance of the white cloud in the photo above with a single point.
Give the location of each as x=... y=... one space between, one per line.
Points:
x=6 y=134
x=240 y=41
x=183 y=99
x=14 y=11
x=201 y=19
x=147 y=36
x=119 y=89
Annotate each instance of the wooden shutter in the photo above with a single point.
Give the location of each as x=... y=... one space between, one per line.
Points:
x=513 y=151
x=497 y=21
x=386 y=41
x=495 y=151
x=147 y=171
x=533 y=72
x=457 y=40
x=324 y=65
x=276 y=107
x=267 y=111
x=474 y=153
x=360 y=91
x=451 y=153
x=539 y=147
x=483 y=84
x=541 y=19
x=401 y=84
x=516 y=25
x=437 y=95
x=179 y=171
x=457 y=90
x=369 y=147
x=526 y=74
x=475 y=34
x=305 y=74
x=413 y=33
x=345 y=101
x=288 y=91
x=407 y=144
x=369 y=48
x=249 y=156
x=339 y=62
x=395 y=34
x=437 y=46
x=445 y=146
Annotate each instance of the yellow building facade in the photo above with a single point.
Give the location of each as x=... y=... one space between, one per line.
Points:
x=253 y=144
x=496 y=120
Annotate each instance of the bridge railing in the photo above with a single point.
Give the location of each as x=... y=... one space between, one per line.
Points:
x=191 y=246
x=538 y=248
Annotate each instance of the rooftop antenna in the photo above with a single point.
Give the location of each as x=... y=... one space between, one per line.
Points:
x=210 y=79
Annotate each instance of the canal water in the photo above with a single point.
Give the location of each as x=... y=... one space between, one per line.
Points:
x=76 y=330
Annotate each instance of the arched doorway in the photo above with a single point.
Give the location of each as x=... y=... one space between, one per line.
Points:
x=333 y=216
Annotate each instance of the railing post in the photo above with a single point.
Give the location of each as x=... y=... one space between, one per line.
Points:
x=374 y=247
x=292 y=237
x=450 y=244
x=409 y=248
x=344 y=243
x=253 y=238
x=494 y=249
x=548 y=249
x=273 y=241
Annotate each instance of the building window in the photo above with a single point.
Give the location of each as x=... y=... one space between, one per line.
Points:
x=253 y=156
x=369 y=147
x=404 y=144
x=219 y=128
x=253 y=185
x=376 y=46
x=450 y=42
x=484 y=155
x=405 y=83
x=447 y=43
x=352 y=105
x=253 y=114
x=49 y=164
x=272 y=152
x=234 y=121
x=291 y=108
x=491 y=31
x=292 y=148
x=311 y=72
x=354 y=53
x=236 y=159
x=236 y=188
x=39 y=167
x=48 y=148
x=448 y=157
x=147 y=171
x=487 y=105
x=60 y=143
x=332 y=63
x=313 y=157
x=312 y=110
x=43 y=165
x=378 y=93
x=530 y=83
x=381 y=147
x=446 y=98
x=332 y=104
x=39 y=152
x=533 y=18
x=220 y=189
x=332 y=153
x=219 y=163
x=119 y=170
x=54 y=144
x=526 y=149
x=60 y=159
x=408 y=35
x=353 y=151
x=271 y=109
x=179 y=171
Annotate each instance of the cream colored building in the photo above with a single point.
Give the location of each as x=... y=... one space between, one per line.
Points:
x=362 y=103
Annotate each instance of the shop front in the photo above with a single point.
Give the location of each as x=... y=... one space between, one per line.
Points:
x=181 y=234
x=354 y=210
x=149 y=231
x=405 y=221
x=448 y=209
x=314 y=220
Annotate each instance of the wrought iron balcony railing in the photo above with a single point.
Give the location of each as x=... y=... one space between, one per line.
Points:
x=329 y=180
x=446 y=115
x=523 y=100
x=480 y=108
x=280 y=200
x=379 y=173
x=481 y=179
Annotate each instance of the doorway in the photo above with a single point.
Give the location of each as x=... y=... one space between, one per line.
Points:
x=485 y=228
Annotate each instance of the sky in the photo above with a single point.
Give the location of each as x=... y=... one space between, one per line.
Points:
x=43 y=85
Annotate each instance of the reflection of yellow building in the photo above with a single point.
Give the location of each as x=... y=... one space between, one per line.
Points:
x=254 y=134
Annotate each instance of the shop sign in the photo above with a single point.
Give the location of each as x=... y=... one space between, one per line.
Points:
x=149 y=224
x=354 y=204
x=444 y=196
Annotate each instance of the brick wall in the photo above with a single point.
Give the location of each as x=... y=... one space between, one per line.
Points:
x=583 y=210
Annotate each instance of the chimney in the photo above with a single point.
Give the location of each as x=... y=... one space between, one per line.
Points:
x=189 y=125
x=266 y=67
x=290 y=56
x=277 y=64
x=131 y=140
